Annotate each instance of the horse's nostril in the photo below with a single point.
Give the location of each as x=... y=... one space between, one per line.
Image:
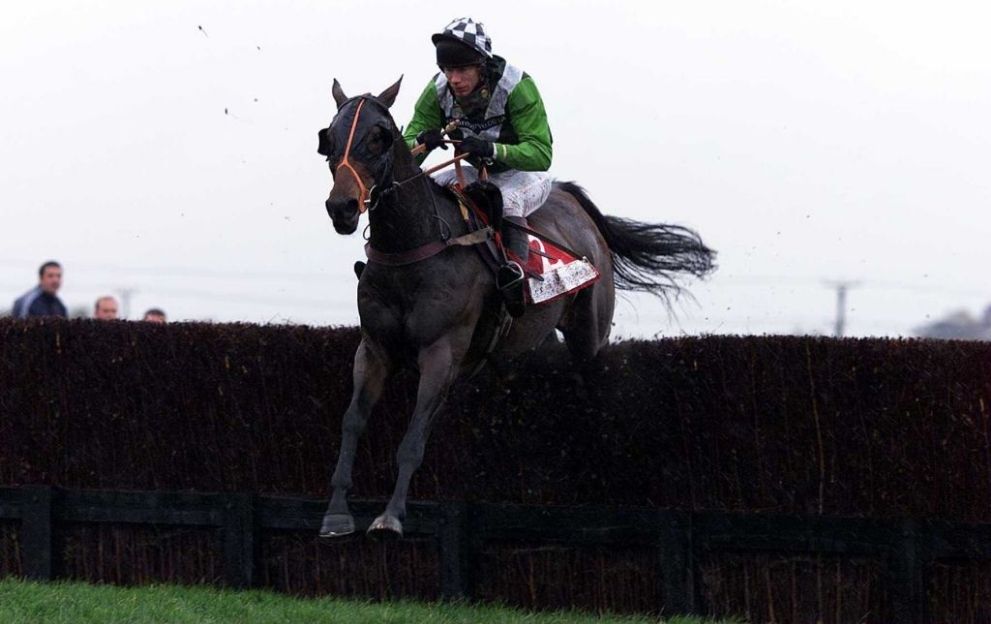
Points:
x=344 y=214
x=341 y=207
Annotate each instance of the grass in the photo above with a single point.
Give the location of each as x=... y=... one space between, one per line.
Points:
x=24 y=602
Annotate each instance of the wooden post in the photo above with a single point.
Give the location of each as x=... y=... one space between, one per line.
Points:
x=456 y=552
x=677 y=563
x=906 y=575
x=37 y=537
x=239 y=540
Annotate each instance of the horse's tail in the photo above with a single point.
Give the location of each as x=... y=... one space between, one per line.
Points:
x=647 y=256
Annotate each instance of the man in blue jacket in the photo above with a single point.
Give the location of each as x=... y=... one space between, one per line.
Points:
x=42 y=299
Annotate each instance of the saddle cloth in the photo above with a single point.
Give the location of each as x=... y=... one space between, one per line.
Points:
x=553 y=272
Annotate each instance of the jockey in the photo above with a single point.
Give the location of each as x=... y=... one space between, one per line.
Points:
x=501 y=123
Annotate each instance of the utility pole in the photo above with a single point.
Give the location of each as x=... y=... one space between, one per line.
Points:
x=841 y=290
x=125 y=301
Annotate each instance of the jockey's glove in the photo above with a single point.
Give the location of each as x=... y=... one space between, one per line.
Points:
x=432 y=139
x=478 y=147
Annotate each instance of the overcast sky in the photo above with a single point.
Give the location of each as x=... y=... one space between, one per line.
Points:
x=169 y=148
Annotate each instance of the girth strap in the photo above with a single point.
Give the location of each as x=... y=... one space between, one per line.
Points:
x=426 y=251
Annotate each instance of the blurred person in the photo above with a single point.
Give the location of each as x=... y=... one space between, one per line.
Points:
x=105 y=309
x=42 y=300
x=154 y=315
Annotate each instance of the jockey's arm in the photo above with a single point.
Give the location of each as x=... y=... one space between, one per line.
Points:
x=427 y=115
x=533 y=150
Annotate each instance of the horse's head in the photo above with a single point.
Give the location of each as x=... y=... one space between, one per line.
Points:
x=358 y=145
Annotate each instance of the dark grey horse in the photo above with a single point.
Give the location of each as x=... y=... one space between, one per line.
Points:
x=436 y=311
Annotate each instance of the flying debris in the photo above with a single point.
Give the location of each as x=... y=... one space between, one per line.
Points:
x=200 y=28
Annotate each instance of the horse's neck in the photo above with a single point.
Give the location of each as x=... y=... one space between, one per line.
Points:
x=409 y=217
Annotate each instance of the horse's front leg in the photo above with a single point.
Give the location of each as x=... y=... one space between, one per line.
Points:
x=438 y=364
x=371 y=367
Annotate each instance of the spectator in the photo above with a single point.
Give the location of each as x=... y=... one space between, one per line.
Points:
x=154 y=315
x=105 y=308
x=42 y=300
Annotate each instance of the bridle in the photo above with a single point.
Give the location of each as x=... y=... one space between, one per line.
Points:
x=362 y=190
x=368 y=199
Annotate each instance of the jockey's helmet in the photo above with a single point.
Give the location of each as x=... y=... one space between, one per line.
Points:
x=462 y=42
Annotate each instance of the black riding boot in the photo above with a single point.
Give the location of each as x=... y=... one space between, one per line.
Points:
x=511 y=278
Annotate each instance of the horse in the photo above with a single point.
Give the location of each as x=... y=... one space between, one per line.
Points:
x=431 y=305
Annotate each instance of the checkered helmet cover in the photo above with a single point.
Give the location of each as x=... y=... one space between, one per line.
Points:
x=470 y=32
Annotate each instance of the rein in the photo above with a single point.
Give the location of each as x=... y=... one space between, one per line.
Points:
x=431 y=249
x=419 y=149
x=456 y=161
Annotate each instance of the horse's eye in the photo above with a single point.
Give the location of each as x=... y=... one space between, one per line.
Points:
x=380 y=141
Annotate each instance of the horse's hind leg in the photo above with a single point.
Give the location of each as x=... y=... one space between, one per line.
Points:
x=370 y=371
x=586 y=331
x=438 y=364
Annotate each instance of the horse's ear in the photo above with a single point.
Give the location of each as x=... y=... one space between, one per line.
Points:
x=338 y=92
x=388 y=97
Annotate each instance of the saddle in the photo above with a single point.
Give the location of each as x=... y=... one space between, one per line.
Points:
x=551 y=269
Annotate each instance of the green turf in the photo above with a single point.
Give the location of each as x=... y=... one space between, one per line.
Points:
x=77 y=603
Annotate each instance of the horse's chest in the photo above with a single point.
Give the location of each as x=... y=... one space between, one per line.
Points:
x=402 y=294
x=415 y=310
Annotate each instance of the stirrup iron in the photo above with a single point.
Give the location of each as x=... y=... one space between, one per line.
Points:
x=510 y=274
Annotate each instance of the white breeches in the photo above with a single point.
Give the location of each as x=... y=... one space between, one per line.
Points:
x=522 y=191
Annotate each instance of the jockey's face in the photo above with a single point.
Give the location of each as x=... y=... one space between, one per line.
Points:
x=463 y=80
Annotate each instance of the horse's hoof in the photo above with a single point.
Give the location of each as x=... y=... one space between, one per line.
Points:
x=336 y=526
x=386 y=527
